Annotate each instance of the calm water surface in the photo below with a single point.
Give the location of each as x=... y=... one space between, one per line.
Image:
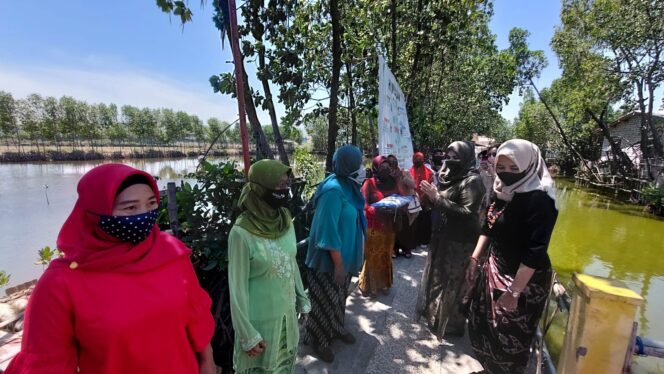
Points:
x=599 y=236
x=28 y=223
x=594 y=234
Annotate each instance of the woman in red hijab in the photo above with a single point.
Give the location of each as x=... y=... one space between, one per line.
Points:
x=419 y=233
x=376 y=272
x=124 y=298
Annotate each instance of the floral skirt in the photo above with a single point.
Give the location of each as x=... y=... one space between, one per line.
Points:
x=377 y=269
x=285 y=359
x=502 y=339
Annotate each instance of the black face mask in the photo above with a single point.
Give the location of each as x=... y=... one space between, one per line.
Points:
x=418 y=163
x=509 y=179
x=437 y=160
x=453 y=165
x=384 y=175
x=277 y=198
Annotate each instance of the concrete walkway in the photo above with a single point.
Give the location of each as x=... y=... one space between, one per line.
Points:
x=389 y=340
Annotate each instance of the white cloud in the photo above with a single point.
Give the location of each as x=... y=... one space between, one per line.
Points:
x=122 y=87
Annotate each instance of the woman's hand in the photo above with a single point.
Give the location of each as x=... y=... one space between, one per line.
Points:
x=257 y=350
x=507 y=301
x=430 y=191
x=206 y=361
x=207 y=367
x=339 y=275
x=471 y=273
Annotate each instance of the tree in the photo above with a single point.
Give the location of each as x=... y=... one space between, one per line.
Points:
x=216 y=129
x=30 y=112
x=625 y=40
x=333 y=127
x=255 y=17
x=52 y=121
x=317 y=130
x=198 y=130
x=69 y=124
x=534 y=122
x=9 y=127
x=183 y=125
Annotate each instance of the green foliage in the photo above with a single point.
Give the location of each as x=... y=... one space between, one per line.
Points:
x=308 y=168
x=40 y=119
x=207 y=211
x=611 y=51
x=8 y=125
x=453 y=75
x=4 y=278
x=653 y=196
x=534 y=122
x=316 y=126
x=46 y=255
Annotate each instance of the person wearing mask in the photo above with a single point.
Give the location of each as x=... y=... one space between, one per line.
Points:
x=487 y=167
x=487 y=160
x=376 y=272
x=437 y=160
x=125 y=297
x=515 y=280
x=405 y=186
x=422 y=225
x=266 y=291
x=458 y=199
x=335 y=250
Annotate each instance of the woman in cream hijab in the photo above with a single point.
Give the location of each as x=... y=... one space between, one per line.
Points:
x=514 y=281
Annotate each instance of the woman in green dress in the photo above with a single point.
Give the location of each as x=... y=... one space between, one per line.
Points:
x=265 y=285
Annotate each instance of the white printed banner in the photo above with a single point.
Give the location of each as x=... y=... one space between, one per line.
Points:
x=393 y=129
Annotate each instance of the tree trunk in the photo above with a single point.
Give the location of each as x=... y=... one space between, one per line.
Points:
x=560 y=129
x=624 y=163
x=263 y=150
x=283 y=156
x=257 y=31
x=351 y=102
x=333 y=128
x=656 y=139
x=18 y=139
x=645 y=142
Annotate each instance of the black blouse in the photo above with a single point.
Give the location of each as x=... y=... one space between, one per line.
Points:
x=522 y=232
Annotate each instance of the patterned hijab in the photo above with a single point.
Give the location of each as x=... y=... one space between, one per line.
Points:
x=87 y=247
x=528 y=158
x=257 y=216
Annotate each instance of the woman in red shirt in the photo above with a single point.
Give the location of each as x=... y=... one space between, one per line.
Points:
x=376 y=272
x=124 y=298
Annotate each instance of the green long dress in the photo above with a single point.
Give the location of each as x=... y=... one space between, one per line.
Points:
x=266 y=295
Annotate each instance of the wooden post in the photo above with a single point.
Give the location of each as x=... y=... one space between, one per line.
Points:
x=173 y=209
x=600 y=326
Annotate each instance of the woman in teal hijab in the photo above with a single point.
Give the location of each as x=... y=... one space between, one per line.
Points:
x=335 y=250
x=265 y=285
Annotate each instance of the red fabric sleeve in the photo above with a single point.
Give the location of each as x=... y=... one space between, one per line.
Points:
x=200 y=323
x=48 y=344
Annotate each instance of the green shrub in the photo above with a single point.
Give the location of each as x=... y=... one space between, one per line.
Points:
x=4 y=278
x=308 y=168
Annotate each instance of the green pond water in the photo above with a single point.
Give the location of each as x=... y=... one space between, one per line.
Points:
x=600 y=236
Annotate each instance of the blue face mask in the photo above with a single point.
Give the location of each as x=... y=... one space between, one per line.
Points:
x=133 y=229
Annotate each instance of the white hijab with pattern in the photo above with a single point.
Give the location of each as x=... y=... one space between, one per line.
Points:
x=527 y=157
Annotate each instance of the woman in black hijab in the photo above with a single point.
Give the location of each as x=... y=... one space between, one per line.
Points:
x=457 y=198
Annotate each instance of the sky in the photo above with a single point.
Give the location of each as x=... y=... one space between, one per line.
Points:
x=129 y=52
